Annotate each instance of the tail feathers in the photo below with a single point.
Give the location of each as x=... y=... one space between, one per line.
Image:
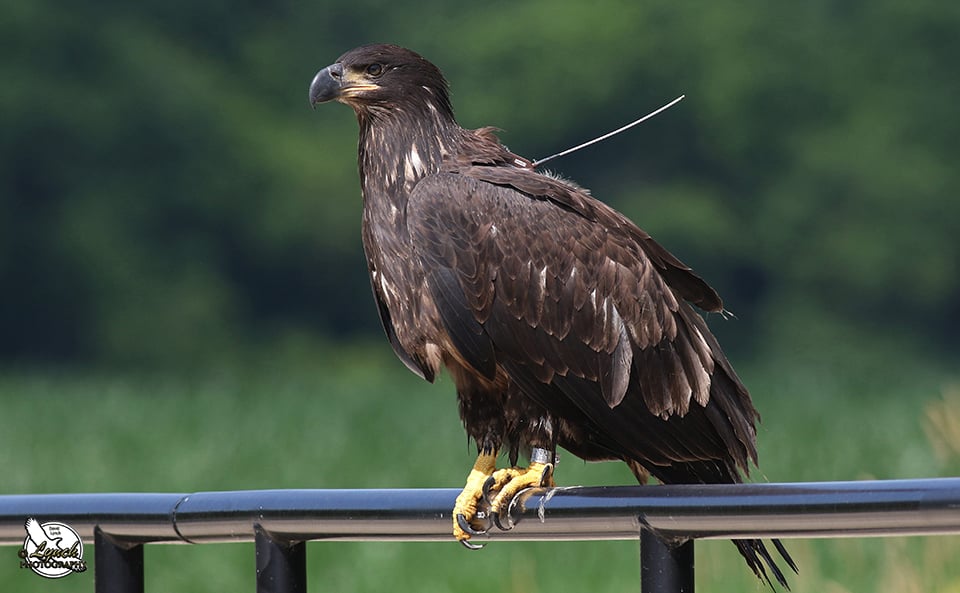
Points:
x=754 y=551
x=759 y=560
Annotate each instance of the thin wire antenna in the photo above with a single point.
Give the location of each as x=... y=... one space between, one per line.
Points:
x=537 y=163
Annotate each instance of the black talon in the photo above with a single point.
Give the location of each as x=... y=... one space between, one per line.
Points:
x=467 y=527
x=545 y=476
x=504 y=519
x=513 y=504
x=508 y=525
x=470 y=546
x=487 y=485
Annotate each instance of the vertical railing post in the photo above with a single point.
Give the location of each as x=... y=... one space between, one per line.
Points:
x=118 y=567
x=665 y=568
x=281 y=565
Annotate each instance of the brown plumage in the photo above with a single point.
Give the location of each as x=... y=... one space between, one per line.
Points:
x=560 y=321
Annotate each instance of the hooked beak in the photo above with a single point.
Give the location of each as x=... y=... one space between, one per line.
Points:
x=334 y=84
x=326 y=85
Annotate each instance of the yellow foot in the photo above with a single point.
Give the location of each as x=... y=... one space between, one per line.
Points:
x=511 y=481
x=467 y=516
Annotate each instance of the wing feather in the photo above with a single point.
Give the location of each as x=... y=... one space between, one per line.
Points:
x=416 y=364
x=577 y=299
x=460 y=323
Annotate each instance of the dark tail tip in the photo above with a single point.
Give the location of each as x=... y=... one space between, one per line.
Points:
x=760 y=561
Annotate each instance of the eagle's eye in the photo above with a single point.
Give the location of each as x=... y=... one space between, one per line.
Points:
x=375 y=69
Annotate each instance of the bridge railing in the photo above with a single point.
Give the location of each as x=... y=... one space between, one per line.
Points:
x=667 y=519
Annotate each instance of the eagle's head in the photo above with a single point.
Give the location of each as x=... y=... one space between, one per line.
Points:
x=382 y=78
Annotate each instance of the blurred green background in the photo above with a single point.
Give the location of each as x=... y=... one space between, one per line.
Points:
x=184 y=296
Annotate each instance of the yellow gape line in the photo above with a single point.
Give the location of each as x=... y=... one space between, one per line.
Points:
x=465 y=510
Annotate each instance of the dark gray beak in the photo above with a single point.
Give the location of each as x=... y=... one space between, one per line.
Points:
x=326 y=84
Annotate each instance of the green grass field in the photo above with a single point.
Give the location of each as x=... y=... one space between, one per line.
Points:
x=357 y=419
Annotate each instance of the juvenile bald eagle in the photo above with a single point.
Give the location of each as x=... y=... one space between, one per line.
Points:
x=560 y=321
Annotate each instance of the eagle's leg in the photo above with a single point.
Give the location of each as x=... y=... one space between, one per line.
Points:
x=509 y=482
x=466 y=509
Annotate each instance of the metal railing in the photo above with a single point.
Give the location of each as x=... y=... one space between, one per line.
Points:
x=666 y=518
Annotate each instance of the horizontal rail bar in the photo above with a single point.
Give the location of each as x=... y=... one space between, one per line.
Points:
x=823 y=509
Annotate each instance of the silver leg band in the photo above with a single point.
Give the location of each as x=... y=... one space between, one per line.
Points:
x=538 y=455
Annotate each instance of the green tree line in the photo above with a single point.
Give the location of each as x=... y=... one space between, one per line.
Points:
x=166 y=195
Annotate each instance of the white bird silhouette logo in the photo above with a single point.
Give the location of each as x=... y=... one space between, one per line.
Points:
x=52 y=550
x=39 y=535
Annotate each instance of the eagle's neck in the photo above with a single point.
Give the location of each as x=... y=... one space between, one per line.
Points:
x=396 y=150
